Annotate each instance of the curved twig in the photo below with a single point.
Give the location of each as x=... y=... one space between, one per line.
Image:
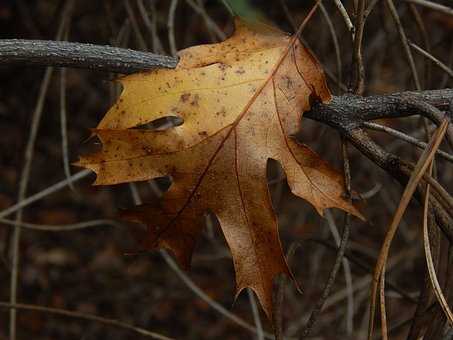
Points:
x=433 y=5
x=58 y=228
x=85 y=316
x=402 y=136
x=429 y=56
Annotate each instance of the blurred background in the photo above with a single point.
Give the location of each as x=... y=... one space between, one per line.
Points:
x=73 y=253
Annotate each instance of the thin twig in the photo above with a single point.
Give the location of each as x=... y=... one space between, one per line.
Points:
x=347 y=274
x=277 y=313
x=171 y=27
x=151 y=25
x=202 y=295
x=210 y=24
x=432 y=113
x=365 y=281
x=340 y=254
x=441 y=194
x=43 y=193
x=15 y=241
x=433 y=5
x=405 y=43
x=328 y=286
x=228 y=7
x=346 y=225
x=288 y=15
x=279 y=294
x=367 y=269
x=256 y=315
x=358 y=80
x=336 y=44
x=425 y=37
x=85 y=316
x=436 y=61
x=138 y=34
x=406 y=138
x=58 y=228
x=346 y=18
x=370 y=7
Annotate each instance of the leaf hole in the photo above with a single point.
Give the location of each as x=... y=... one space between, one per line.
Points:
x=161 y=124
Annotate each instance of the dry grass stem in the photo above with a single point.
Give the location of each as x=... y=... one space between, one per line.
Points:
x=379 y=272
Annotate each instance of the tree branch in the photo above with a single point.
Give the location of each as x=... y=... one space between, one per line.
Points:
x=78 y=55
x=347 y=114
x=350 y=111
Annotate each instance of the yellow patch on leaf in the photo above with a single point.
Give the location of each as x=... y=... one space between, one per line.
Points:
x=240 y=101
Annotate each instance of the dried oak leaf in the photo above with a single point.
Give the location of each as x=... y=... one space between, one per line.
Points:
x=240 y=100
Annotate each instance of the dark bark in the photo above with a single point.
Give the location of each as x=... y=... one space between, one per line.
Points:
x=350 y=111
x=88 y=56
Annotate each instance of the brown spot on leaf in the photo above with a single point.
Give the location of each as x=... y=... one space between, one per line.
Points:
x=195 y=100
x=185 y=97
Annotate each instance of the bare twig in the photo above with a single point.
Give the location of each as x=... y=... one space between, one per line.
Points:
x=358 y=80
x=406 y=138
x=85 y=316
x=370 y=8
x=436 y=61
x=433 y=5
x=367 y=269
x=328 y=286
x=15 y=241
x=347 y=274
x=171 y=27
x=336 y=44
x=441 y=194
x=58 y=228
x=151 y=24
x=346 y=18
x=43 y=193
x=68 y=54
x=404 y=42
x=288 y=15
x=202 y=295
x=426 y=41
x=211 y=24
x=340 y=254
x=138 y=34
x=256 y=315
